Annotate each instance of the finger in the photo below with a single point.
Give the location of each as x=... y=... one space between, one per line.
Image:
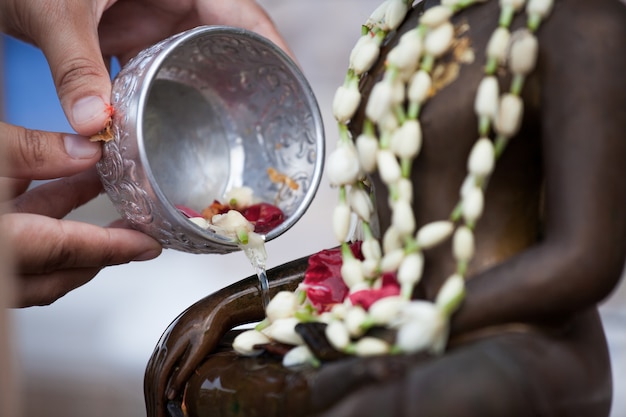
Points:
x=58 y=198
x=247 y=14
x=68 y=36
x=14 y=186
x=44 y=245
x=39 y=155
x=40 y=290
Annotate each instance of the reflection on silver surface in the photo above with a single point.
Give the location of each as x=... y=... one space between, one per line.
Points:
x=202 y=112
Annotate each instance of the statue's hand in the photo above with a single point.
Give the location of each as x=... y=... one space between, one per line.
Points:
x=197 y=331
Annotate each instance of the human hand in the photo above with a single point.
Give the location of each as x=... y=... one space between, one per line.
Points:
x=79 y=37
x=53 y=256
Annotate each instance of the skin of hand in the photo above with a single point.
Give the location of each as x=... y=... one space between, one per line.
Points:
x=79 y=38
x=53 y=256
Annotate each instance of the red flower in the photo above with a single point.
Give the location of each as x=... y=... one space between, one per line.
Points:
x=322 y=279
x=365 y=298
x=263 y=216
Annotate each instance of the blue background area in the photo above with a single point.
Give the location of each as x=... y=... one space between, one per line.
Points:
x=29 y=94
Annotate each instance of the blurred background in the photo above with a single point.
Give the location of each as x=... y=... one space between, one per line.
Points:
x=85 y=354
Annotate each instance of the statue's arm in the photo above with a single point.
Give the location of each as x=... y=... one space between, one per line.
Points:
x=196 y=332
x=583 y=113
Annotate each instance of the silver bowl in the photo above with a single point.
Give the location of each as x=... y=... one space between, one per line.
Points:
x=200 y=113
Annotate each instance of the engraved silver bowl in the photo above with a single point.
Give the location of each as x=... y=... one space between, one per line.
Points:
x=199 y=113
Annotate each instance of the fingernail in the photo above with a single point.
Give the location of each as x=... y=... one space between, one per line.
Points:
x=87 y=109
x=79 y=147
x=146 y=256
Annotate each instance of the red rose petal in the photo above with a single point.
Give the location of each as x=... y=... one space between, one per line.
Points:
x=263 y=216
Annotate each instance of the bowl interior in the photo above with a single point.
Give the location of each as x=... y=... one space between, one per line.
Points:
x=225 y=109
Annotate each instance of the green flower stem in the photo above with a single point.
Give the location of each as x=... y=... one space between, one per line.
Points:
x=410 y=245
x=346 y=252
x=428 y=62
x=500 y=144
x=344 y=134
x=414 y=110
x=484 y=125
x=534 y=20
x=461 y=267
x=367 y=231
x=455 y=216
x=398 y=110
x=405 y=165
x=517 y=84
x=343 y=194
x=506 y=16
x=368 y=128
x=364 y=30
x=262 y=324
x=491 y=66
x=242 y=236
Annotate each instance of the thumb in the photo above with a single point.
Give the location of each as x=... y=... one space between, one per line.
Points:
x=69 y=40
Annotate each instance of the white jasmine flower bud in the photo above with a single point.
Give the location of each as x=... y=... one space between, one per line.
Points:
x=388 y=166
x=283 y=305
x=463 y=244
x=360 y=203
x=200 y=221
x=436 y=15
x=378 y=14
x=468 y=184
x=406 y=141
x=516 y=4
x=231 y=224
x=240 y=197
x=402 y=218
x=523 y=52
x=498 y=44
x=540 y=8
x=397 y=91
x=367 y=146
x=351 y=271
x=354 y=320
x=299 y=355
x=364 y=53
x=411 y=269
x=482 y=158
x=392 y=240
x=370 y=248
x=388 y=122
x=371 y=346
x=337 y=334
x=406 y=54
x=486 y=103
x=338 y=311
x=404 y=188
x=379 y=101
x=386 y=310
x=432 y=234
x=394 y=14
x=510 y=114
x=473 y=204
x=284 y=331
x=370 y=268
x=419 y=87
x=426 y=331
x=451 y=294
x=439 y=39
x=245 y=342
x=341 y=222
x=343 y=166
x=392 y=260
x=345 y=102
